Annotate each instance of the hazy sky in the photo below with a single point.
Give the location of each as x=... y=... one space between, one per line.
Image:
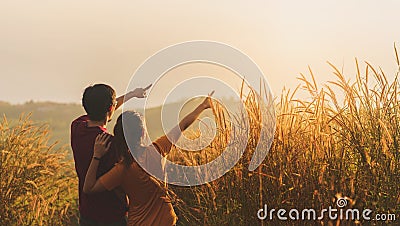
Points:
x=51 y=50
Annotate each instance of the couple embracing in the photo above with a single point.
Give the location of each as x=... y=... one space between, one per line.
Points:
x=114 y=189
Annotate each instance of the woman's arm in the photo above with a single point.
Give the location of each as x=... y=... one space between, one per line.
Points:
x=192 y=116
x=138 y=93
x=101 y=147
x=188 y=120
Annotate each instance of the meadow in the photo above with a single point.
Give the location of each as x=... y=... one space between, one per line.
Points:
x=342 y=140
x=38 y=184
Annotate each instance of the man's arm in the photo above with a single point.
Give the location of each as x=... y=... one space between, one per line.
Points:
x=138 y=93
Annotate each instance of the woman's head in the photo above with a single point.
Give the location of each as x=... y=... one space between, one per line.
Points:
x=133 y=133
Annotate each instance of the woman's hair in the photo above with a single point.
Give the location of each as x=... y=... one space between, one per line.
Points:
x=133 y=134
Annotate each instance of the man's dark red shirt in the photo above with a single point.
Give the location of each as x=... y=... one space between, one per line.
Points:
x=104 y=206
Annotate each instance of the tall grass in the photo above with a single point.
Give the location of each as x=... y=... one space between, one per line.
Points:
x=343 y=140
x=38 y=185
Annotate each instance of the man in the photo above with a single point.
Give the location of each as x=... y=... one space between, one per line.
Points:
x=99 y=102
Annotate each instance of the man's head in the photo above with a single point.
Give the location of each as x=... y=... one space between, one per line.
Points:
x=99 y=102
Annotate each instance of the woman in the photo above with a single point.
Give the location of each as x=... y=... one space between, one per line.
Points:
x=148 y=202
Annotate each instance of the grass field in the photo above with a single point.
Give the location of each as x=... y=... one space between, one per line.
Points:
x=38 y=185
x=343 y=140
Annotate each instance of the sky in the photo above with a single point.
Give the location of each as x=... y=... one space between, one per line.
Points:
x=51 y=50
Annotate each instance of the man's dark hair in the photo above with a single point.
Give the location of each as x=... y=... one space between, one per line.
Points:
x=97 y=100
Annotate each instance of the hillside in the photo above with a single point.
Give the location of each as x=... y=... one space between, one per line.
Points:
x=58 y=116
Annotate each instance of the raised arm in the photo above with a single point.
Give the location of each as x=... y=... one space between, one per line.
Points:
x=163 y=144
x=138 y=93
x=192 y=116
